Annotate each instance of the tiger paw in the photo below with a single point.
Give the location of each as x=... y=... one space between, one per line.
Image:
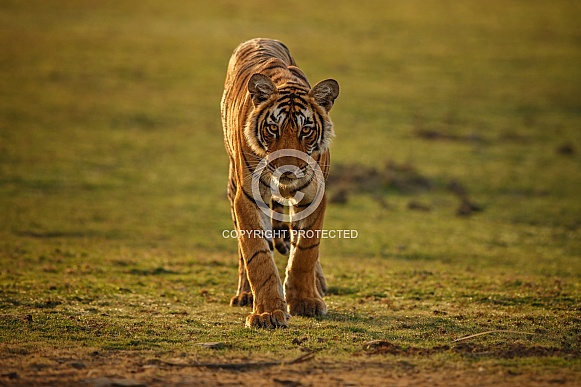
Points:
x=242 y=299
x=309 y=307
x=275 y=319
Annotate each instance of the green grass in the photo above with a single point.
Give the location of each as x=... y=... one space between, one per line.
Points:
x=113 y=178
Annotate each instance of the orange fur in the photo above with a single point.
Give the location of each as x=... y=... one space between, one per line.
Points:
x=268 y=106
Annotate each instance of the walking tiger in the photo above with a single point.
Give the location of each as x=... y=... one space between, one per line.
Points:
x=277 y=133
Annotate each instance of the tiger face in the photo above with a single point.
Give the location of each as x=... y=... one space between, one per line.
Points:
x=290 y=117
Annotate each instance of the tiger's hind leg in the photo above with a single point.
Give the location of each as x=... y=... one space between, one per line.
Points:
x=321 y=282
x=243 y=296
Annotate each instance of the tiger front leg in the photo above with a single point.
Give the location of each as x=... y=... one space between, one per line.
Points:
x=268 y=304
x=304 y=281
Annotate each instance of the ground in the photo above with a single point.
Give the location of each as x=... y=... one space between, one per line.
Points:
x=456 y=160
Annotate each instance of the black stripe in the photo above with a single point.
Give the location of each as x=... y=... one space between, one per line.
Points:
x=252 y=171
x=320 y=134
x=264 y=283
x=284 y=102
x=292 y=99
x=299 y=74
x=274 y=65
x=295 y=88
x=247 y=163
x=256 y=254
x=298 y=107
x=232 y=185
x=320 y=127
x=305 y=248
x=250 y=197
x=260 y=118
x=299 y=113
x=307 y=183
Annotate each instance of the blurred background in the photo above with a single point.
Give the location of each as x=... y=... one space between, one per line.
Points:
x=458 y=126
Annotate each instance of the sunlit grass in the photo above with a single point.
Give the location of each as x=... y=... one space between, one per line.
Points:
x=113 y=175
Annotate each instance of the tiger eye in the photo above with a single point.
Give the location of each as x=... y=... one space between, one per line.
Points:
x=306 y=131
x=273 y=129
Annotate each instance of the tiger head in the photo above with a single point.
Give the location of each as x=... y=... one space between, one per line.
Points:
x=291 y=116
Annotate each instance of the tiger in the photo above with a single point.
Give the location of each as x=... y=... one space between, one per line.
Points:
x=268 y=106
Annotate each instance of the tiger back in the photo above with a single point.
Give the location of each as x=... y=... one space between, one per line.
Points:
x=277 y=133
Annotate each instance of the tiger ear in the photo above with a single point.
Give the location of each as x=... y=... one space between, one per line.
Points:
x=325 y=93
x=261 y=88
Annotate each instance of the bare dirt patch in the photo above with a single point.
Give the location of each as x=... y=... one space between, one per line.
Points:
x=406 y=368
x=403 y=179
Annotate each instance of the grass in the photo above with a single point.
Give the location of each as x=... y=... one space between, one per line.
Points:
x=113 y=176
